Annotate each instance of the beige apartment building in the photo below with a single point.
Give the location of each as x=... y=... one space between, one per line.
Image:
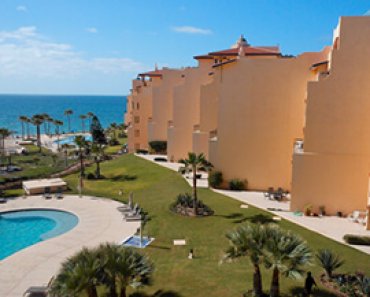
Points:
x=185 y=109
x=260 y=114
x=332 y=169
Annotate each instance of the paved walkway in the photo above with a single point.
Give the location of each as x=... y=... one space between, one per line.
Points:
x=329 y=226
x=99 y=222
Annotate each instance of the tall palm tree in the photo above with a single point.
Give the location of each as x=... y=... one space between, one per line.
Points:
x=248 y=241
x=28 y=122
x=195 y=162
x=123 y=267
x=45 y=118
x=37 y=121
x=285 y=253
x=98 y=152
x=81 y=143
x=23 y=120
x=78 y=274
x=329 y=261
x=90 y=116
x=4 y=133
x=57 y=124
x=68 y=113
x=113 y=128
x=83 y=118
x=50 y=121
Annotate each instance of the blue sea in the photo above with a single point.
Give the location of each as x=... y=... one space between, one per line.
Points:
x=109 y=109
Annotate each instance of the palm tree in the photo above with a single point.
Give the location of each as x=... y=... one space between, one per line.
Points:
x=83 y=118
x=37 y=120
x=284 y=253
x=123 y=267
x=28 y=121
x=57 y=124
x=50 y=121
x=113 y=127
x=68 y=113
x=90 y=116
x=248 y=241
x=45 y=118
x=4 y=133
x=78 y=274
x=329 y=261
x=195 y=162
x=81 y=143
x=98 y=151
x=23 y=120
x=65 y=151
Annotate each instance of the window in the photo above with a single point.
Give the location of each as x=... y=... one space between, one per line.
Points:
x=137 y=119
x=137 y=133
x=138 y=105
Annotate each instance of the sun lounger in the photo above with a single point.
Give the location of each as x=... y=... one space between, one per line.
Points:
x=47 y=195
x=59 y=195
x=38 y=291
x=354 y=216
x=133 y=218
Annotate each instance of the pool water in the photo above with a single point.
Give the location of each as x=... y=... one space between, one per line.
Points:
x=20 y=229
x=70 y=140
x=134 y=241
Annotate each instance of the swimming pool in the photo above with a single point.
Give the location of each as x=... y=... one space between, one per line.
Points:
x=70 y=140
x=20 y=229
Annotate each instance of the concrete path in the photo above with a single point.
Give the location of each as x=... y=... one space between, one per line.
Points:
x=99 y=222
x=329 y=226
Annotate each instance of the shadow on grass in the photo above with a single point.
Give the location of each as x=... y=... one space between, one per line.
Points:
x=159 y=247
x=299 y=292
x=255 y=219
x=159 y=293
x=123 y=177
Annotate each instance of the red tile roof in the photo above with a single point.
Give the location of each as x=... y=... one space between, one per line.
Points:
x=224 y=63
x=250 y=51
x=203 y=57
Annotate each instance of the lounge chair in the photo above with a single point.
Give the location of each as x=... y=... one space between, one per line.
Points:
x=354 y=216
x=47 y=194
x=39 y=291
x=270 y=192
x=133 y=216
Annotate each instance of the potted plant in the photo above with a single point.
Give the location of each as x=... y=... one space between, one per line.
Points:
x=308 y=210
x=322 y=211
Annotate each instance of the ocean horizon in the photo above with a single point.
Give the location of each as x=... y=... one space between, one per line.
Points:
x=108 y=109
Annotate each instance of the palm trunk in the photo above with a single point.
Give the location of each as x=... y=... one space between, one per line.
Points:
x=91 y=292
x=112 y=290
x=123 y=292
x=274 y=290
x=22 y=130
x=97 y=171
x=69 y=124
x=58 y=137
x=82 y=168
x=195 y=198
x=257 y=281
x=38 y=137
x=28 y=130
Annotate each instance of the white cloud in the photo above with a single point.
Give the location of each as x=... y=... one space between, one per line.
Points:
x=192 y=30
x=92 y=30
x=21 y=8
x=26 y=54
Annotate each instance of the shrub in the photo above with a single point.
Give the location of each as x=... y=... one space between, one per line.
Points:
x=182 y=170
x=237 y=184
x=356 y=239
x=184 y=205
x=329 y=261
x=140 y=151
x=215 y=179
x=158 y=146
x=90 y=175
x=113 y=142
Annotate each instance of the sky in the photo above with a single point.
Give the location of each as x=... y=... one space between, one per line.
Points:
x=97 y=47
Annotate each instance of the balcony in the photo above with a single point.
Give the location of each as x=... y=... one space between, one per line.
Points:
x=213 y=135
x=196 y=128
x=170 y=124
x=298 y=146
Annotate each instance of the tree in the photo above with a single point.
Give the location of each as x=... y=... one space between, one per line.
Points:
x=90 y=116
x=123 y=267
x=113 y=128
x=68 y=113
x=58 y=124
x=195 y=162
x=97 y=131
x=4 y=133
x=65 y=151
x=97 y=150
x=329 y=261
x=248 y=241
x=81 y=143
x=23 y=120
x=28 y=122
x=37 y=121
x=45 y=118
x=78 y=274
x=284 y=253
x=50 y=121
x=83 y=118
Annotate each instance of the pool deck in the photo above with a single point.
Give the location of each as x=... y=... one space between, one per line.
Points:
x=329 y=226
x=99 y=222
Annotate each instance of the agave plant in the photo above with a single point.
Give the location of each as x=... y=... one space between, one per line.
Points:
x=329 y=261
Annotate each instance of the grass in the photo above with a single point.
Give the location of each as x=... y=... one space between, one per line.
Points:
x=34 y=164
x=155 y=188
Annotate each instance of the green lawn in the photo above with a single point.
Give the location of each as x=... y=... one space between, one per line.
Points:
x=34 y=164
x=155 y=188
